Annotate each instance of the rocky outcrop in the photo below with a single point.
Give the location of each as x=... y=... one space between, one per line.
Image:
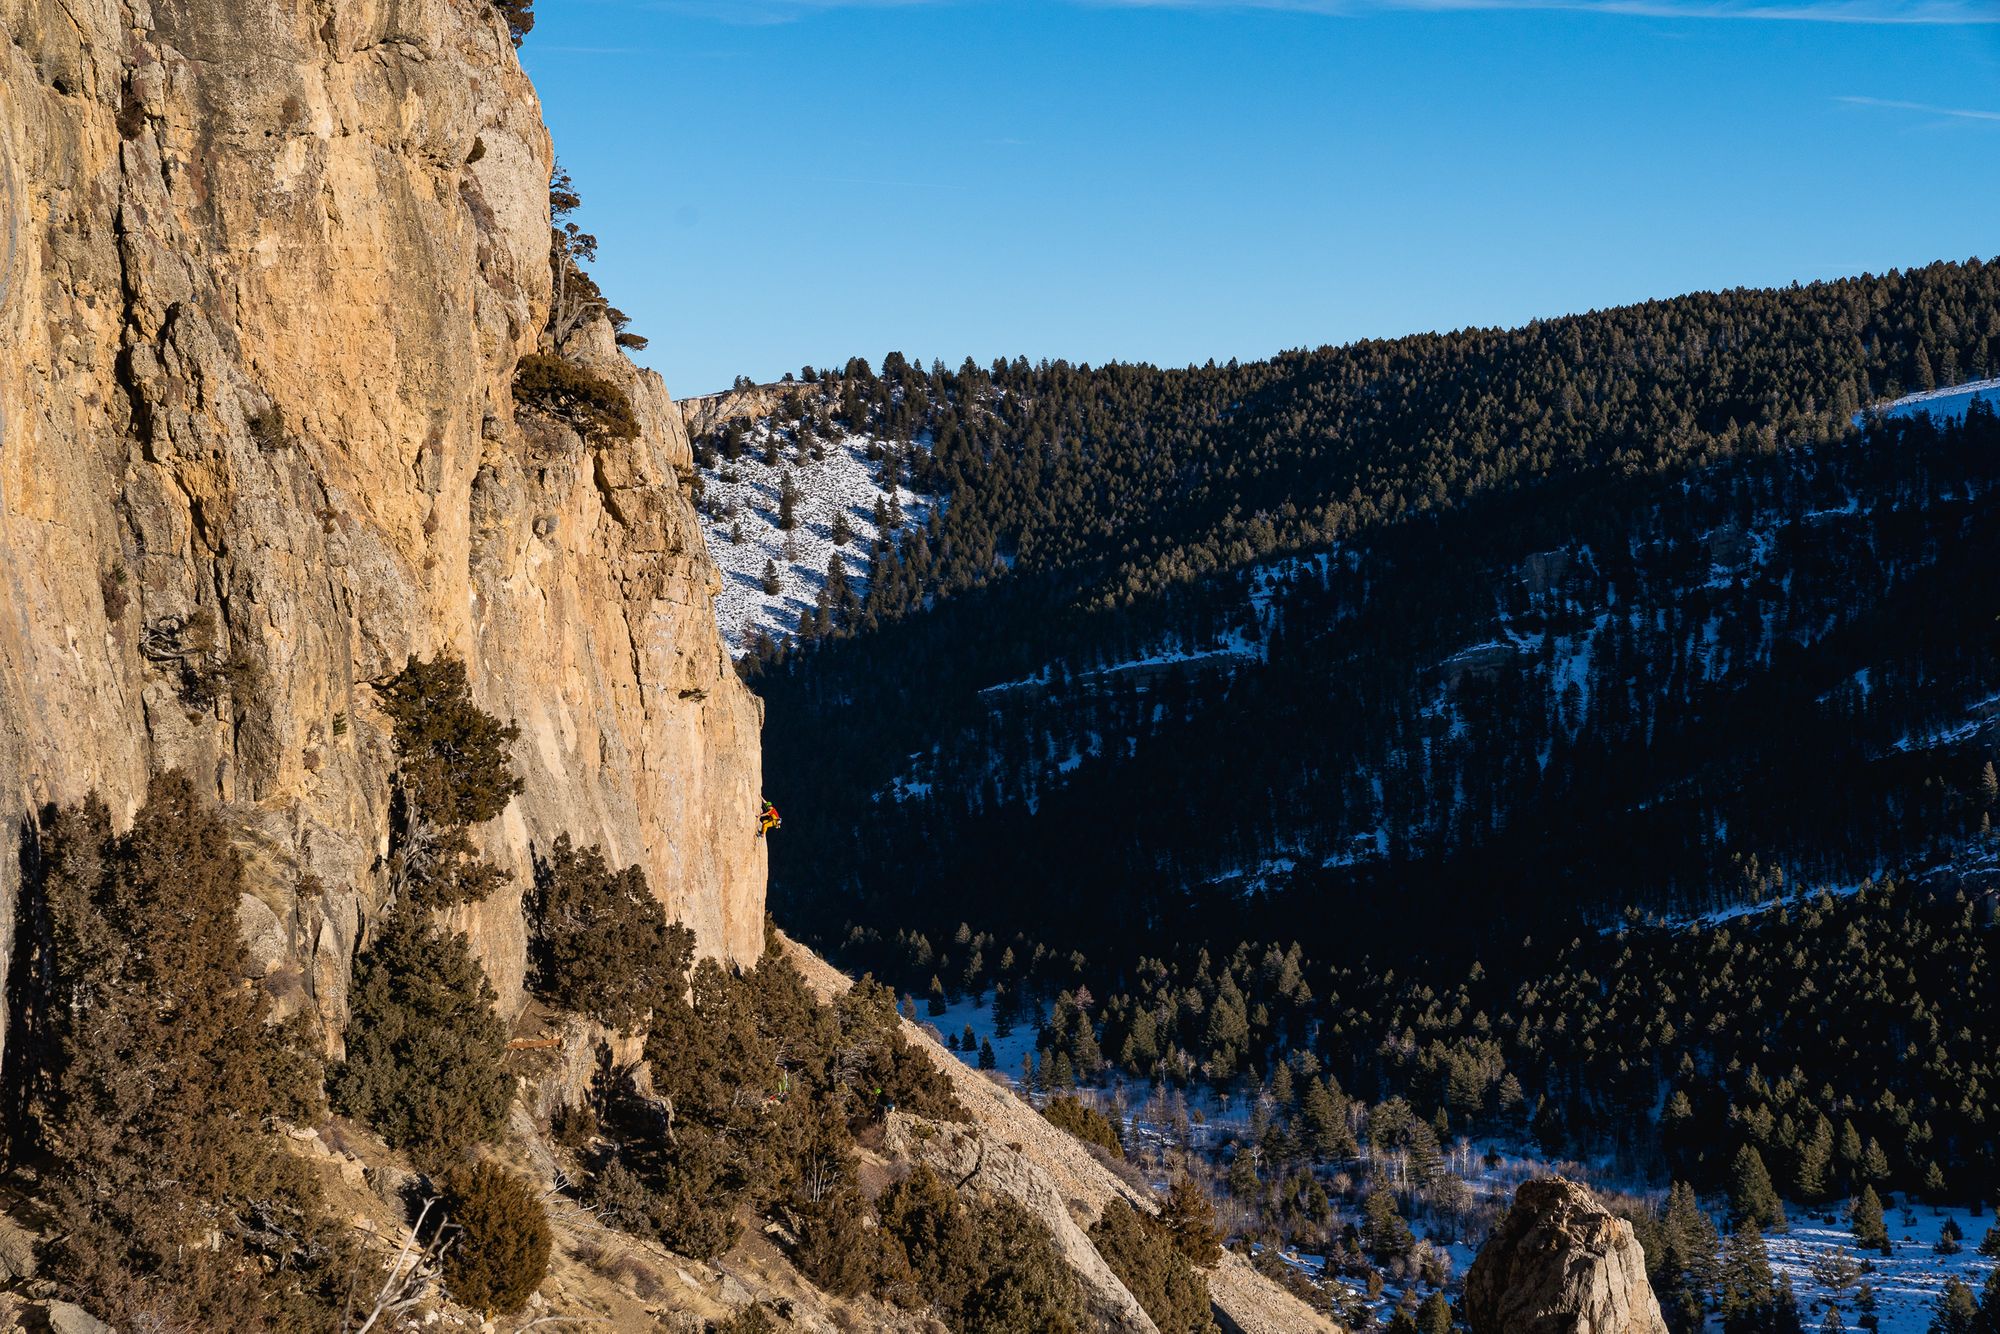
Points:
x=972 y=1160
x=266 y=268
x=704 y=412
x=1560 y=1264
x=1017 y=1137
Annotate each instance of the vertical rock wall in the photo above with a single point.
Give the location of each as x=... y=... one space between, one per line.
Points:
x=266 y=267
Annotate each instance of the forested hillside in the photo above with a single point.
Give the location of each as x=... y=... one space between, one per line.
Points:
x=1669 y=1046
x=1468 y=722
x=1122 y=480
x=1452 y=632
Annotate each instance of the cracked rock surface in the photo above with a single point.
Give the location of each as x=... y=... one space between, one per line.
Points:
x=1560 y=1264
x=266 y=268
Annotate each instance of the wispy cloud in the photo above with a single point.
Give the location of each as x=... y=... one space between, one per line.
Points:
x=1922 y=108
x=1926 y=12
x=759 y=12
x=881 y=184
x=1899 y=12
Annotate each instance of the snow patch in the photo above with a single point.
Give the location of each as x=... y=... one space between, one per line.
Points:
x=741 y=497
x=1947 y=404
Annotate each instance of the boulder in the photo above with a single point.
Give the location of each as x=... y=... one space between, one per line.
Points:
x=68 y=1318
x=17 y=1251
x=1559 y=1263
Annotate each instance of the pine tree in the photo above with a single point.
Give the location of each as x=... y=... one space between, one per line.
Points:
x=1142 y=1254
x=1689 y=1266
x=839 y=596
x=1327 y=1134
x=1785 y=1318
x=599 y=941
x=152 y=1076
x=772 y=583
x=1244 y=1180
x=424 y=1046
x=1956 y=1311
x=1281 y=1086
x=1988 y=1319
x=500 y=1241
x=1512 y=1100
x=788 y=502
x=987 y=1060
x=1874 y=1162
x=1426 y=1159
x=453 y=771
x=1865 y=1220
x=1850 y=1149
x=836 y=1248
x=1383 y=1231
x=1434 y=1316
x=1748 y=1296
x=1934 y=1188
x=1815 y=1163
x=1188 y=1216
x=1752 y=1199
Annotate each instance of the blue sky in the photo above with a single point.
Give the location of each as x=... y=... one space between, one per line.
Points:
x=781 y=182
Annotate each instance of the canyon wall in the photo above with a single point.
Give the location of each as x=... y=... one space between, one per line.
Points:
x=266 y=268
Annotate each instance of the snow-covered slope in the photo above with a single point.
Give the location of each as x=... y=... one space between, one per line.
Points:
x=1948 y=404
x=740 y=520
x=1827 y=1269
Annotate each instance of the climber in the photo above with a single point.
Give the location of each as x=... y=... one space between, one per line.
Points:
x=769 y=820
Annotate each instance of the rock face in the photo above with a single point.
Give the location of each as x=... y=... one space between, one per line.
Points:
x=704 y=412
x=266 y=269
x=1560 y=1264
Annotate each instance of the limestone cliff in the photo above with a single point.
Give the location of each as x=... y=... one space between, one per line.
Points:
x=266 y=269
x=1560 y=1264
x=704 y=412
